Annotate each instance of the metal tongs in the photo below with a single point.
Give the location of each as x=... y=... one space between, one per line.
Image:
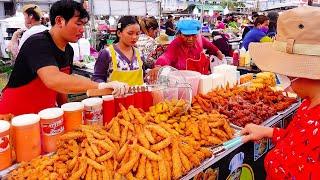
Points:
x=217 y=150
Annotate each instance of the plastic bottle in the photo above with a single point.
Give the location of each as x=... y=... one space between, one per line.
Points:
x=242 y=57
x=236 y=57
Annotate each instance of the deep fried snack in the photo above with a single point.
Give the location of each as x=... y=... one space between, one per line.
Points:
x=163 y=174
x=149 y=136
x=116 y=130
x=82 y=169
x=204 y=127
x=159 y=130
x=228 y=129
x=104 y=145
x=126 y=168
x=122 y=152
x=89 y=173
x=149 y=154
x=109 y=125
x=161 y=145
x=220 y=133
x=149 y=174
x=106 y=175
x=168 y=128
x=215 y=124
x=72 y=163
x=72 y=135
x=117 y=176
x=113 y=136
x=124 y=134
x=206 y=152
x=94 y=175
x=95 y=164
x=125 y=157
x=89 y=151
x=176 y=161
x=214 y=140
x=185 y=162
x=142 y=167
x=137 y=115
x=124 y=113
x=129 y=176
x=142 y=137
x=155 y=169
x=126 y=123
x=105 y=157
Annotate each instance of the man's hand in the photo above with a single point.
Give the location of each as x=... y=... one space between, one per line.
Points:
x=119 y=88
x=253 y=132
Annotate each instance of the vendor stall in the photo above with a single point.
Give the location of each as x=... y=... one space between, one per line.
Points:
x=154 y=132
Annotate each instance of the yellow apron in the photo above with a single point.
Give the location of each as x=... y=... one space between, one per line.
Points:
x=131 y=77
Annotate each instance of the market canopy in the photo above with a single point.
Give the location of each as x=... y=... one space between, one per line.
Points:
x=126 y=7
x=208 y=7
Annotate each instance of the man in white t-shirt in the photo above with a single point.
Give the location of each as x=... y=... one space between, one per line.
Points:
x=32 y=16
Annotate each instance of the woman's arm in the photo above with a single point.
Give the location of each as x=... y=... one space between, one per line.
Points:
x=212 y=49
x=101 y=67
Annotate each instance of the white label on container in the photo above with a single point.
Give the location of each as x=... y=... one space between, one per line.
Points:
x=51 y=129
x=93 y=116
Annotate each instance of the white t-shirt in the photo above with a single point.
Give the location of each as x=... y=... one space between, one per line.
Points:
x=33 y=30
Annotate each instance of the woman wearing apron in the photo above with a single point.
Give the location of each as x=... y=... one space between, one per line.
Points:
x=121 y=61
x=185 y=52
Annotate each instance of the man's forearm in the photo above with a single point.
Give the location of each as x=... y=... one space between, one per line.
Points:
x=67 y=84
x=76 y=84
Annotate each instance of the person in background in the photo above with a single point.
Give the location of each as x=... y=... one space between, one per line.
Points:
x=32 y=16
x=250 y=25
x=220 y=24
x=205 y=28
x=273 y=16
x=221 y=41
x=42 y=71
x=121 y=61
x=258 y=33
x=146 y=42
x=233 y=22
x=188 y=45
x=162 y=24
x=297 y=149
x=162 y=44
x=170 y=31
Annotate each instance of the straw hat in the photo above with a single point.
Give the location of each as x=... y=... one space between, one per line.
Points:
x=296 y=50
x=163 y=39
x=36 y=8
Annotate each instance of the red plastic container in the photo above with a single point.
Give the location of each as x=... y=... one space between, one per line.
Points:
x=138 y=100
x=148 y=100
x=109 y=109
x=129 y=100
x=118 y=101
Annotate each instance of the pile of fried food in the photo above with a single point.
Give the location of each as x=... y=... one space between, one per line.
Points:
x=195 y=125
x=242 y=106
x=263 y=79
x=165 y=143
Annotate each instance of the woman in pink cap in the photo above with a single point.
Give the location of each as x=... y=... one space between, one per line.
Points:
x=296 y=54
x=185 y=52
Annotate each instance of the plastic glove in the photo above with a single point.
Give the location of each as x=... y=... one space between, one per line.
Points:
x=119 y=88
